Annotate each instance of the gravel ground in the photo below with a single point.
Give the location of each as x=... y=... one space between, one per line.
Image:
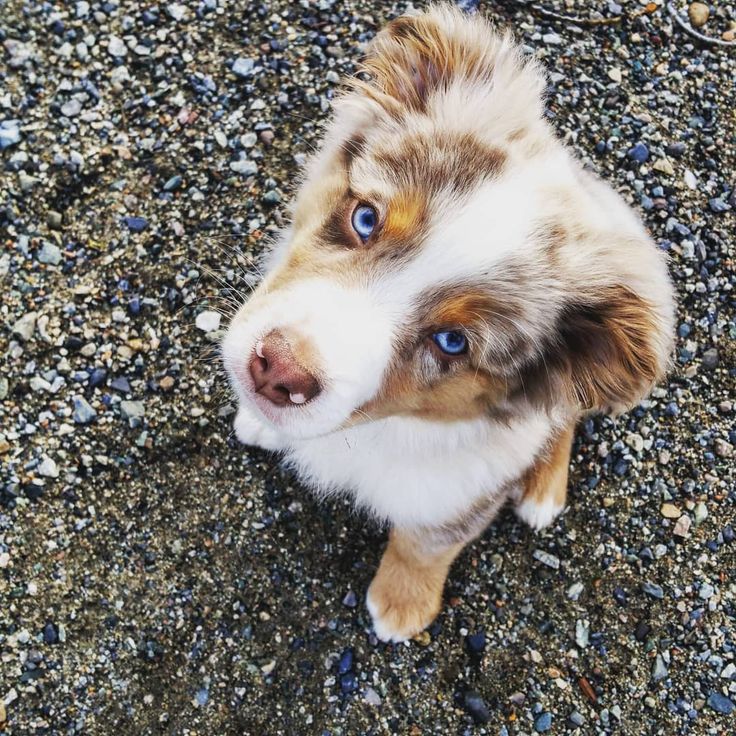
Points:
x=157 y=578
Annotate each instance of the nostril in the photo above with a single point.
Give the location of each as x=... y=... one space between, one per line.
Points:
x=281 y=392
x=278 y=376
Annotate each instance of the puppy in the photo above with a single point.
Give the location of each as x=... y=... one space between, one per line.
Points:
x=453 y=293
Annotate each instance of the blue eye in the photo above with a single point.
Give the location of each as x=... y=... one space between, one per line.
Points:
x=364 y=221
x=451 y=342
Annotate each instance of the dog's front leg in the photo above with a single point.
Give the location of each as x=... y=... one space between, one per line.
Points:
x=406 y=593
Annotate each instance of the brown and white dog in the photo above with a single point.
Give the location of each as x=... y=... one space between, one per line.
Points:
x=453 y=293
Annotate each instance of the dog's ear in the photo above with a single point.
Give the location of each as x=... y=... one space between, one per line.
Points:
x=443 y=50
x=407 y=59
x=612 y=349
x=604 y=353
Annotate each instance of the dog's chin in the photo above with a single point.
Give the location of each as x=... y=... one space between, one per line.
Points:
x=294 y=423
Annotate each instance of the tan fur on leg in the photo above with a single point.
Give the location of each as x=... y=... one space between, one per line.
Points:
x=544 y=486
x=406 y=593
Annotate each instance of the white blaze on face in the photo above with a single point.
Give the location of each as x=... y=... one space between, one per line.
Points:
x=466 y=241
x=348 y=332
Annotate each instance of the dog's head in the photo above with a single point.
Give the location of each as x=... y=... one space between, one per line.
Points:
x=446 y=259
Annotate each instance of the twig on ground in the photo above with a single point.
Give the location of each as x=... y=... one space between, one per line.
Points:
x=689 y=29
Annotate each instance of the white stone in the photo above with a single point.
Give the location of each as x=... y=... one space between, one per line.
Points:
x=116 y=47
x=24 y=327
x=48 y=468
x=208 y=321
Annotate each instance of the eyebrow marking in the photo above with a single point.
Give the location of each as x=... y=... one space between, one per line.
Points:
x=352 y=148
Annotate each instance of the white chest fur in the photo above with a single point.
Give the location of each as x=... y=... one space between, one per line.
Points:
x=412 y=472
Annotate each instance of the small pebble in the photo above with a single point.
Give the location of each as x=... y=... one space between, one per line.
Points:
x=48 y=468
x=83 y=412
x=136 y=224
x=653 y=590
x=543 y=722
x=116 y=47
x=25 y=326
x=476 y=642
x=698 y=14
x=659 y=670
x=546 y=559
x=476 y=706
x=243 y=67
x=208 y=321
x=720 y=703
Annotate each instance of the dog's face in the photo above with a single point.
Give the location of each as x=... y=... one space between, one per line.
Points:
x=440 y=262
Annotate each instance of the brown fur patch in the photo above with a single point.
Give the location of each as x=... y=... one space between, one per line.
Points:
x=406 y=216
x=466 y=394
x=414 y=56
x=352 y=148
x=407 y=588
x=461 y=307
x=601 y=354
x=547 y=478
x=455 y=162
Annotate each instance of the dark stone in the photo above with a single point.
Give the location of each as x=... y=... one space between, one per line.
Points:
x=98 y=377
x=639 y=153
x=135 y=224
x=718 y=206
x=675 y=149
x=619 y=595
x=120 y=384
x=653 y=590
x=720 y=703
x=476 y=707
x=710 y=359
x=350 y=600
x=173 y=184
x=346 y=662
x=348 y=683
x=30 y=675
x=50 y=633
x=643 y=629
x=543 y=722
x=476 y=642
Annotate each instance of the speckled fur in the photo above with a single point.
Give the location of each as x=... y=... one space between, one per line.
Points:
x=488 y=225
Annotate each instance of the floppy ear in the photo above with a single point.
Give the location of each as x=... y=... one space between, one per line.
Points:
x=407 y=59
x=443 y=50
x=613 y=349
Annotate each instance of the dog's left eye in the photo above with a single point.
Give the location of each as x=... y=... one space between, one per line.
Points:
x=364 y=220
x=451 y=342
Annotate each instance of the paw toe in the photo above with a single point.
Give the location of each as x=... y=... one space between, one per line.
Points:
x=539 y=515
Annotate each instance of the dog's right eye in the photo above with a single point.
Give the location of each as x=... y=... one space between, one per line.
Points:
x=364 y=221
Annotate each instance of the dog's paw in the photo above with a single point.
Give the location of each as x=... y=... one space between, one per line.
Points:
x=251 y=431
x=538 y=515
x=401 y=612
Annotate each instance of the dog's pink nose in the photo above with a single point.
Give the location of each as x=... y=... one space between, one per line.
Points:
x=276 y=374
